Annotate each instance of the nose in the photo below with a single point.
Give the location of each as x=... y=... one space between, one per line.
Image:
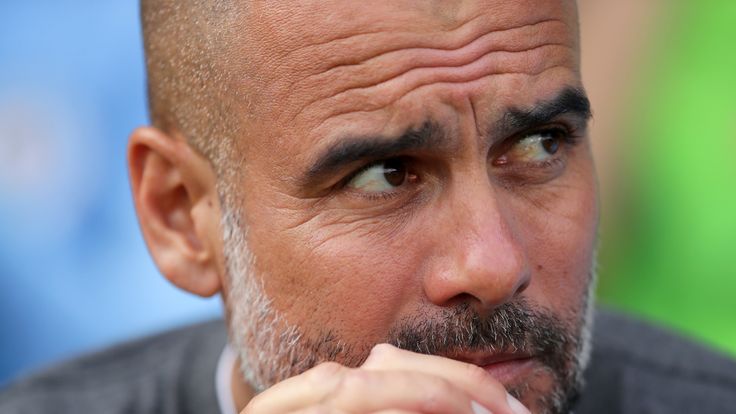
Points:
x=480 y=258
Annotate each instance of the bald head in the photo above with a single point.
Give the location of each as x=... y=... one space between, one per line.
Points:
x=213 y=65
x=187 y=44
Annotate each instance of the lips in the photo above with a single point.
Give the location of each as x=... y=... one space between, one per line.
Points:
x=482 y=359
x=504 y=367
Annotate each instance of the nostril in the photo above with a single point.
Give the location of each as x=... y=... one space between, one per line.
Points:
x=461 y=299
x=464 y=298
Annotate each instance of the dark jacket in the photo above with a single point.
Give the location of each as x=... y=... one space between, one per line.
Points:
x=635 y=369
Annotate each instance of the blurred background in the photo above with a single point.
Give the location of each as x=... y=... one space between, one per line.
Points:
x=74 y=272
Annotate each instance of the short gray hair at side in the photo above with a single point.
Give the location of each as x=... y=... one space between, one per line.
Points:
x=187 y=46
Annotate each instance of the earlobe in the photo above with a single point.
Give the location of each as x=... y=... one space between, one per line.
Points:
x=174 y=189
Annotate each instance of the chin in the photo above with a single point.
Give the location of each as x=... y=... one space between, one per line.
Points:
x=542 y=392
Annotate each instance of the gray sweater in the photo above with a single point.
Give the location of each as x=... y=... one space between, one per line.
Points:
x=635 y=369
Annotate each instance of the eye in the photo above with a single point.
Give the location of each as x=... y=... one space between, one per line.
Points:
x=538 y=146
x=534 y=148
x=381 y=177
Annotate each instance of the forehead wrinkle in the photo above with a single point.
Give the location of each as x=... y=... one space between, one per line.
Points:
x=337 y=113
x=447 y=50
x=454 y=37
x=317 y=59
x=478 y=19
x=298 y=32
x=379 y=95
x=299 y=46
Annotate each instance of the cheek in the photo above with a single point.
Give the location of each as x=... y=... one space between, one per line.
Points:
x=354 y=279
x=559 y=228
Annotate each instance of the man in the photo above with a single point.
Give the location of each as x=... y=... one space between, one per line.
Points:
x=396 y=201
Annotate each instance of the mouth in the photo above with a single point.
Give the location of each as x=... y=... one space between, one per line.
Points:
x=507 y=368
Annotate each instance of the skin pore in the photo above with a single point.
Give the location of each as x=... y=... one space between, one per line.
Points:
x=409 y=172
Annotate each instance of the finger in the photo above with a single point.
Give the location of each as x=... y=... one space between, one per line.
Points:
x=320 y=409
x=362 y=391
x=298 y=392
x=368 y=391
x=479 y=384
x=477 y=409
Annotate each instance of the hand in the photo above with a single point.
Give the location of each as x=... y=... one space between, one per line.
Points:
x=390 y=381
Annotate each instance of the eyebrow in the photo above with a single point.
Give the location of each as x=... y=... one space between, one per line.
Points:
x=570 y=101
x=429 y=135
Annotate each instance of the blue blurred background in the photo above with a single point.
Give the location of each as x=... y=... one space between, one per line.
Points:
x=74 y=272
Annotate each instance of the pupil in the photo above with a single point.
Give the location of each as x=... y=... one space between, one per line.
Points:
x=551 y=144
x=394 y=172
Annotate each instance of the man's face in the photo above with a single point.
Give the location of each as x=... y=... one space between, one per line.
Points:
x=414 y=172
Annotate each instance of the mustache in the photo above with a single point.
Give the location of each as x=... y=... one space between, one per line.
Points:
x=513 y=327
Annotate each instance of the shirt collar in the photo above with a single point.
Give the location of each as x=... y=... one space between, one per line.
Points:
x=223 y=380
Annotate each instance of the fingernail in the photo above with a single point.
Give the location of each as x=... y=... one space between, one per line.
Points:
x=516 y=406
x=479 y=409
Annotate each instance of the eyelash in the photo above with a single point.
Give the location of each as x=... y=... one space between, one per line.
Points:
x=570 y=138
x=569 y=133
x=379 y=196
x=383 y=196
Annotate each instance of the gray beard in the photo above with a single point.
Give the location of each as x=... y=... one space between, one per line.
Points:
x=270 y=349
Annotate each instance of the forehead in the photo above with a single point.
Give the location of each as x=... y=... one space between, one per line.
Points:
x=325 y=64
x=289 y=25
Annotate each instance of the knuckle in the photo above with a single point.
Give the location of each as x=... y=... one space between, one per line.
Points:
x=338 y=382
x=483 y=380
x=476 y=373
x=354 y=381
x=254 y=406
x=320 y=409
x=324 y=373
x=381 y=352
x=384 y=349
x=443 y=386
x=435 y=395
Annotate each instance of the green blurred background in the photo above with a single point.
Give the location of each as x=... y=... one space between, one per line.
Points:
x=668 y=235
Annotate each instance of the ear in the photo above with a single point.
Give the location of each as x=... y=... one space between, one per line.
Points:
x=174 y=189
